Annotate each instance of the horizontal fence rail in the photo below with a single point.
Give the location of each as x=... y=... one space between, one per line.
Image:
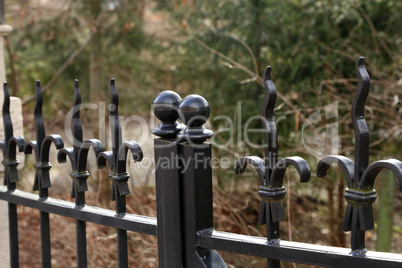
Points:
x=295 y=251
x=128 y=222
x=184 y=200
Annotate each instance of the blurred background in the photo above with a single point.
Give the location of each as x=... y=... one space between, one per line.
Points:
x=218 y=49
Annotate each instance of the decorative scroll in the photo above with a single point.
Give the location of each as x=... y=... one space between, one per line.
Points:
x=10 y=144
x=41 y=147
x=79 y=152
x=360 y=176
x=117 y=158
x=270 y=170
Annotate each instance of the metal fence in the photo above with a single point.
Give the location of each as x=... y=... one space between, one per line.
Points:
x=184 y=223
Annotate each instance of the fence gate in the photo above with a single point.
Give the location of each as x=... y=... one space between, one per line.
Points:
x=184 y=223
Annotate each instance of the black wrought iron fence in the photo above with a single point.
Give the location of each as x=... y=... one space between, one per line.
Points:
x=184 y=223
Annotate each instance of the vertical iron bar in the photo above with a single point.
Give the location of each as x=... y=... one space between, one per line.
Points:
x=81 y=236
x=45 y=239
x=168 y=203
x=13 y=229
x=10 y=177
x=121 y=234
x=43 y=192
x=81 y=243
x=120 y=199
x=117 y=159
x=81 y=233
x=361 y=145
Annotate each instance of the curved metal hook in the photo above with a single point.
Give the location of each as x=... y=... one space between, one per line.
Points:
x=83 y=152
x=370 y=174
x=46 y=143
x=32 y=146
x=117 y=178
x=16 y=142
x=359 y=122
x=62 y=155
x=279 y=170
x=365 y=196
x=136 y=152
x=10 y=162
x=256 y=162
x=104 y=158
x=343 y=162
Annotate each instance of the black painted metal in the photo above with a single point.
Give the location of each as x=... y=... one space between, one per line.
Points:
x=360 y=177
x=9 y=147
x=117 y=159
x=271 y=171
x=166 y=109
x=78 y=160
x=184 y=223
x=194 y=112
x=129 y=222
x=168 y=204
x=41 y=149
x=167 y=180
x=295 y=251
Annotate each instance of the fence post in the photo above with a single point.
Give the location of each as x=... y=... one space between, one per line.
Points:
x=196 y=182
x=183 y=181
x=167 y=180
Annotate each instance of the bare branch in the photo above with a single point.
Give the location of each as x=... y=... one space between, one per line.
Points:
x=70 y=59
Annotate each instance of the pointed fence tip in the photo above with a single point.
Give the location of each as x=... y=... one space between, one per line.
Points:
x=112 y=82
x=37 y=83
x=267 y=73
x=360 y=61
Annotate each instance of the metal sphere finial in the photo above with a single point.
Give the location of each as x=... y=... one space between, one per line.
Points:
x=194 y=112
x=166 y=109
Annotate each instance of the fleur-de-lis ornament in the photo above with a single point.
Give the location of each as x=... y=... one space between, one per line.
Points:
x=41 y=147
x=79 y=152
x=117 y=158
x=360 y=176
x=271 y=171
x=10 y=144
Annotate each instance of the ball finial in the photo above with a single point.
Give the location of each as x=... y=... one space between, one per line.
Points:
x=166 y=109
x=194 y=112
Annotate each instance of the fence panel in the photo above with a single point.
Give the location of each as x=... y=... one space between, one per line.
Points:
x=184 y=223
